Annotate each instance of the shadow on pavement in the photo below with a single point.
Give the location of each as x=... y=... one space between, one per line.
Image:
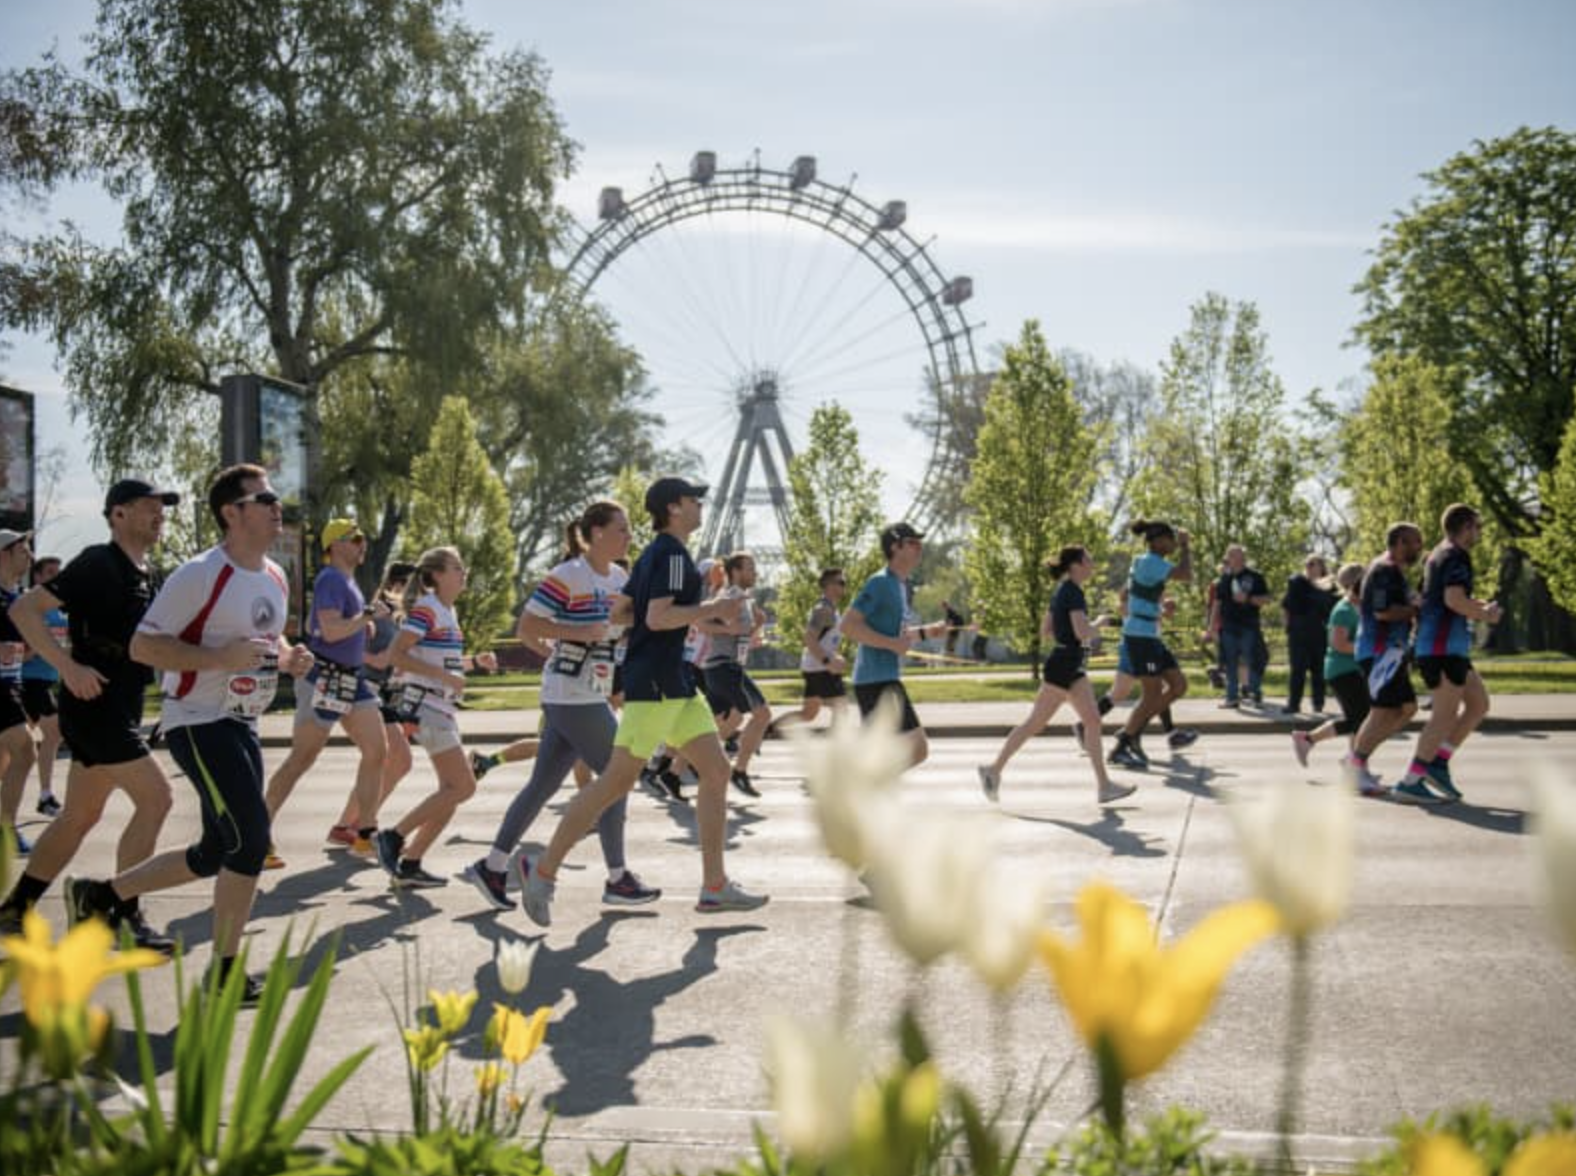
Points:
x=1493 y=820
x=1109 y=830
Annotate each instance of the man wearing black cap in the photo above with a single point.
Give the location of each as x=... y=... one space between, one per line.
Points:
x=877 y=622
x=104 y=591
x=661 y=705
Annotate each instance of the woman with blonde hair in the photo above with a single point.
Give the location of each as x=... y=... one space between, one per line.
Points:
x=429 y=655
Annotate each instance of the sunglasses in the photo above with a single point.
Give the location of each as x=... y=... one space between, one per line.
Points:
x=356 y=538
x=262 y=498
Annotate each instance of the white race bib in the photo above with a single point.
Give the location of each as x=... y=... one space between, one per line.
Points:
x=250 y=692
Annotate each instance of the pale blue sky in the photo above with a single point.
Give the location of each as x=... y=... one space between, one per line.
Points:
x=1097 y=164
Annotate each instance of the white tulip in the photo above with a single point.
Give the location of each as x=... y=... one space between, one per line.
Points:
x=1299 y=844
x=1554 y=844
x=851 y=772
x=815 y=1074
x=924 y=872
x=515 y=958
x=999 y=940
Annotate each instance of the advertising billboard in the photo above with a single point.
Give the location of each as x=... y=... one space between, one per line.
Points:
x=17 y=449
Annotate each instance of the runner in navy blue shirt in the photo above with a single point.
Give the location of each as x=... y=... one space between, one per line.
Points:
x=1444 y=652
x=661 y=705
x=1384 y=629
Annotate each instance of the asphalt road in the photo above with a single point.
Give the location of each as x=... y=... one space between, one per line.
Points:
x=1445 y=985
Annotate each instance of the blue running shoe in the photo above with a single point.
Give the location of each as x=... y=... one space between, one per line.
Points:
x=1439 y=778
x=1413 y=792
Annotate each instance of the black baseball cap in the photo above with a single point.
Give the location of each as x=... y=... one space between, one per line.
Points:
x=130 y=489
x=895 y=534
x=664 y=492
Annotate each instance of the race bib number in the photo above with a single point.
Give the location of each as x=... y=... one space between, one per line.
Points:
x=1385 y=669
x=569 y=658
x=601 y=676
x=407 y=703
x=250 y=693
x=335 y=690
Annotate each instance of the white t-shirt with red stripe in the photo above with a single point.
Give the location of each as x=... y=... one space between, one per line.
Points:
x=211 y=601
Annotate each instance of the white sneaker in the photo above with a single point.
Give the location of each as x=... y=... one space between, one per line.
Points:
x=1112 y=793
x=732 y=897
x=990 y=782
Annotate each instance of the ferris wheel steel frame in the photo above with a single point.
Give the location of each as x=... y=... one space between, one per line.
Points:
x=876 y=231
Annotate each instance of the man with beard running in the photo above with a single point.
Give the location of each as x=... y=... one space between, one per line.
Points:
x=104 y=591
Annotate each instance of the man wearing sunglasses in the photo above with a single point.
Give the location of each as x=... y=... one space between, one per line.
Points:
x=216 y=630
x=336 y=690
x=104 y=591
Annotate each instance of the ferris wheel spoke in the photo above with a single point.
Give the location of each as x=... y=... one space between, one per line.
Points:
x=681 y=319
x=711 y=318
x=822 y=355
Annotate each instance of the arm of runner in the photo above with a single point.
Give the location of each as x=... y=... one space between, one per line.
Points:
x=1342 y=639
x=1086 y=629
x=294 y=659
x=1456 y=600
x=858 y=630
x=532 y=627
x=27 y=614
x=401 y=659
x=1183 y=572
x=164 y=652
x=337 y=626
x=663 y=613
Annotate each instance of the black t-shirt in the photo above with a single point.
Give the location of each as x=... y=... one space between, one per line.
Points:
x=10 y=676
x=104 y=595
x=1244 y=615
x=654 y=666
x=1307 y=605
x=1066 y=600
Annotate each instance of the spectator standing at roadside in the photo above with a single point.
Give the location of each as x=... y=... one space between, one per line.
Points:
x=1241 y=595
x=1306 y=610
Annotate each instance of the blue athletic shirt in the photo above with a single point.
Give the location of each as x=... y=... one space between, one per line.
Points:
x=883 y=603
x=1441 y=632
x=1384 y=586
x=1146 y=584
x=654 y=666
x=35 y=668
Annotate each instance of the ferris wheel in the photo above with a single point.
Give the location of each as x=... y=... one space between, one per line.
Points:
x=755 y=295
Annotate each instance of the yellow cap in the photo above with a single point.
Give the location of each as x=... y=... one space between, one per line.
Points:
x=336 y=529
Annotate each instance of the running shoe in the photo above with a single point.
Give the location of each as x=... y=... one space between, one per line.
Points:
x=1439 y=780
x=731 y=744
x=412 y=877
x=672 y=787
x=342 y=835
x=1229 y=704
x=362 y=847
x=990 y=782
x=1414 y=792
x=536 y=894
x=47 y=805
x=1182 y=737
x=652 y=784
x=493 y=885
x=11 y=916
x=730 y=896
x=389 y=843
x=1125 y=757
x=481 y=764
x=144 y=934
x=1301 y=745
x=1112 y=793
x=272 y=861
x=87 y=899
x=23 y=845
x=741 y=781
x=629 y=891
x=252 y=986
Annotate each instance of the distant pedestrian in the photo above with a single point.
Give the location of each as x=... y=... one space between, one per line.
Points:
x=1240 y=596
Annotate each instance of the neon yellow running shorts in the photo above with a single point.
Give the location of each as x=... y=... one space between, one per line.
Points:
x=674 y=721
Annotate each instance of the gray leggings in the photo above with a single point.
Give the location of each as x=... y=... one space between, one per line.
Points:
x=569 y=733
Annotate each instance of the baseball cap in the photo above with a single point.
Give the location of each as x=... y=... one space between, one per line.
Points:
x=336 y=529
x=895 y=534
x=664 y=492
x=8 y=537
x=130 y=489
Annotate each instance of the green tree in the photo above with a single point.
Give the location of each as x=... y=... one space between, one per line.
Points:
x=1395 y=460
x=458 y=500
x=1029 y=490
x=1554 y=547
x=1219 y=459
x=834 y=517
x=1478 y=278
x=629 y=491
x=306 y=186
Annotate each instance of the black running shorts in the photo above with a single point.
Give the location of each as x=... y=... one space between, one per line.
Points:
x=869 y=694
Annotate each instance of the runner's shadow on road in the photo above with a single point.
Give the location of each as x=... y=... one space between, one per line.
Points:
x=1492 y=820
x=1109 y=830
x=601 y=1043
x=740 y=823
x=1185 y=776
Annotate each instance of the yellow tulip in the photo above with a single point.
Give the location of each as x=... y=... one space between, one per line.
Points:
x=56 y=978
x=518 y=1036
x=488 y=1077
x=1127 y=994
x=1553 y=1154
x=452 y=1009
x=426 y=1046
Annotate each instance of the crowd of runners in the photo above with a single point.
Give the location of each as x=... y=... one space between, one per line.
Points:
x=644 y=681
